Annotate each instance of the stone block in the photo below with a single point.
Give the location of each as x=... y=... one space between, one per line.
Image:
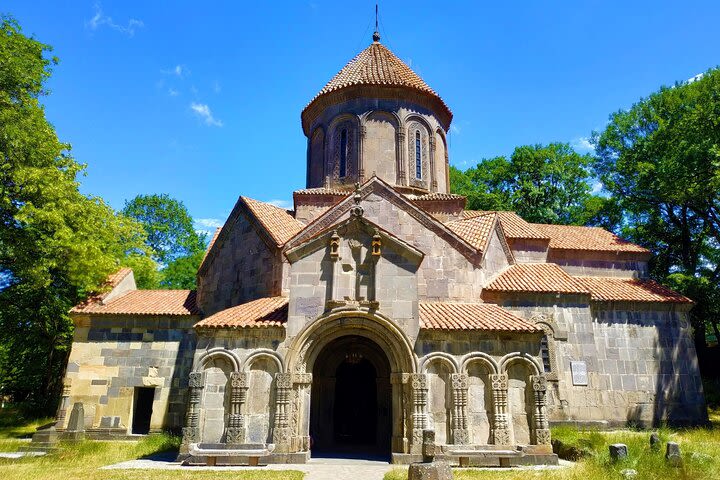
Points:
x=655 y=441
x=430 y=471
x=673 y=455
x=618 y=451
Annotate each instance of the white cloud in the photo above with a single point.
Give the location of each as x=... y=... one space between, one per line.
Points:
x=583 y=144
x=281 y=203
x=455 y=129
x=209 y=222
x=216 y=87
x=597 y=187
x=178 y=70
x=173 y=93
x=695 y=78
x=203 y=111
x=100 y=19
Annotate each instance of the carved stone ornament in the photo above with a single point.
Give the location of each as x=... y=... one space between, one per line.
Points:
x=459 y=380
x=191 y=435
x=499 y=381
x=543 y=437
x=238 y=380
x=284 y=380
x=419 y=381
x=539 y=383
x=196 y=380
x=501 y=436
x=302 y=378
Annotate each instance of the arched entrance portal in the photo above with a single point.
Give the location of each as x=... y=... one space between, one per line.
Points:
x=351 y=400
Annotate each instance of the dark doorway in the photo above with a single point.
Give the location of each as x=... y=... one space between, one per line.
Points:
x=355 y=403
x=351 y=400
x=142 y=410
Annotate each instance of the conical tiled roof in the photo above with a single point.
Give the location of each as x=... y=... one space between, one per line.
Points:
x=377 y=66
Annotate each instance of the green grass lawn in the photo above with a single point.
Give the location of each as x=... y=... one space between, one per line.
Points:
x=700 y=449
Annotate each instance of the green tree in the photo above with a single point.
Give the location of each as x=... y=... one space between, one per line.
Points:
x=171 y=236
x=168 y=225
x=56 y=245
x=542 y=183
x=661 y=160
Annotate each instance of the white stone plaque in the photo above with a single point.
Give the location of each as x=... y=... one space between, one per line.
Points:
x=579 y=373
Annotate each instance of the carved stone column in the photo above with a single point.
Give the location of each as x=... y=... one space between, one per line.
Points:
x=281 y=429
x=458 y=420
x=541 y=427
x=236 y=429
x=401 y=148
x=419 y=383
x=63 y=407
x=501 y=424
x=191 y=431
x=401 y=416
x=300 y=415
x=361 y=159
x=433 y=175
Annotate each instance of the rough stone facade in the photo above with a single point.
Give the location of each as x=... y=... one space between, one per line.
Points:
x=378 y=310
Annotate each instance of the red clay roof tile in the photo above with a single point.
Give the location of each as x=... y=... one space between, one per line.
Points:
x=536 y=278
x=145 y=302
x=471 y=316
x=605 y=289
x=570 y=237
x=263 y=312
x=277 y=221
x=475 y=230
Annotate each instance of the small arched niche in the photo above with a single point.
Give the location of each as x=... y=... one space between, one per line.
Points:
x=261 y=399
x=216 y=398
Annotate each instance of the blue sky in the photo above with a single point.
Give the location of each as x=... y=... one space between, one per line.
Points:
x=202 y=100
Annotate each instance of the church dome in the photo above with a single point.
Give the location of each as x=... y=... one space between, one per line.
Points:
x=378 y=71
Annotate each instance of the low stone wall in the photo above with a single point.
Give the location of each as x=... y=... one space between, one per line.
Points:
x=112 y=355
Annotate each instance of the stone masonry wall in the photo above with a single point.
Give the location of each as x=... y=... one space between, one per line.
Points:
x=111 y=355
x=640 y=359
x=244 y=269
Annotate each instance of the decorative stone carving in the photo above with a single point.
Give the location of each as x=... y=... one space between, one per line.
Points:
x=191 y=431
x=236 y=430
x=419 y=384
x=459 y=422
x=281 y=430
x=541 y=427
x=423 y=180
x=501 y=424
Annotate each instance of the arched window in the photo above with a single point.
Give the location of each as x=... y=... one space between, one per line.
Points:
x=343 y=153
x=418 y=155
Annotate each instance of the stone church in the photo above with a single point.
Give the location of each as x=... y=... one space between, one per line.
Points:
x=379 y=307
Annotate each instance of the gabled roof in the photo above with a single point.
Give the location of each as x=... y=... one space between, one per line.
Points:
x=274 y=225
x=570 y=237
x=145 y=302
x=377 y=186
x=536 y=278
x=476 y=231
x=277 y=221
x=471 y=316
x=514 y=227
x=263 y=312
x=605 y=289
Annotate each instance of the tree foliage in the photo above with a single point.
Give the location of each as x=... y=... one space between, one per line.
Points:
x=56 y=245
x=171 y=237
x=660 y=160
x=542 y=183
x=168 y=225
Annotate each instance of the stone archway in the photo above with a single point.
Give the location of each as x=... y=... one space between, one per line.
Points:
x=351 y=398
x=377 y=333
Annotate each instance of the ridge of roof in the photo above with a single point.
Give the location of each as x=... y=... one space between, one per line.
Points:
x=262 y=312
